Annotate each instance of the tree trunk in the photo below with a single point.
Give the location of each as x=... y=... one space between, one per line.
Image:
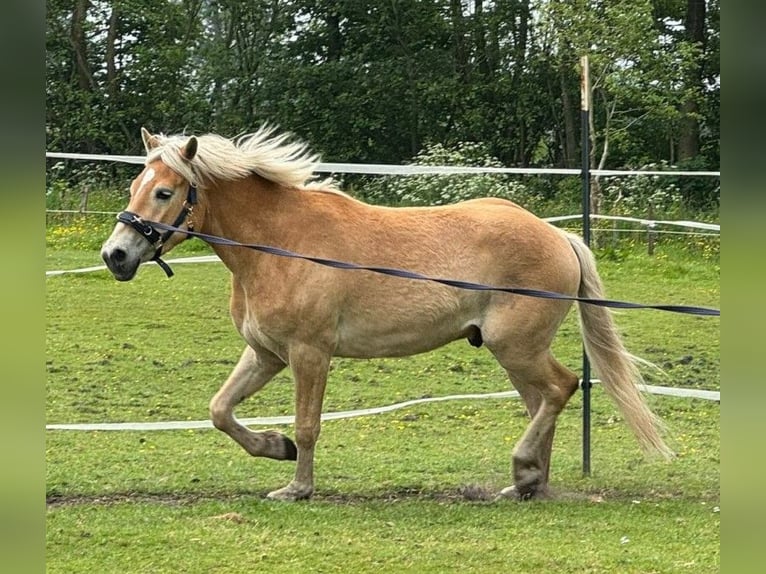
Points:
x=689 y=138
x=111 y=56
x=520 y=41
x=479 y=39
x=570 y=122
x=80 y=46
x=458 y=32
x=334 y=37
x=112 y=83
x=597 y=193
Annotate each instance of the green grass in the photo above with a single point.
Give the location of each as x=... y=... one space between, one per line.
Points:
x=240 y=535
x=400 y=492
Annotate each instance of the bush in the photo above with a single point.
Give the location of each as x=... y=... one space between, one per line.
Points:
x=672 y=197
x=433 y=189
x=634 y=194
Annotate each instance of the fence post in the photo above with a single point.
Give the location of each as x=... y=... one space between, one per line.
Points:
x=84 y=198
x=650 y=230
x=585 y=130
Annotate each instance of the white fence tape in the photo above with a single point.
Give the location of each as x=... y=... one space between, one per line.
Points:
x=647 y=222
x=382 y=169
x=193 y=259
x=290 y=419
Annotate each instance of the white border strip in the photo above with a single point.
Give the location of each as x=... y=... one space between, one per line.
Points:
x=552 y=219
x=192 y=259
x=138 y=159
x=290 y=419
x=382 y=169
x=647 y=222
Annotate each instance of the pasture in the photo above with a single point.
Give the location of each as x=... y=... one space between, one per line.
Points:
x=407 y=491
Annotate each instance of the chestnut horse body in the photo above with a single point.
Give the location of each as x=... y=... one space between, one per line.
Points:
x=297 y=314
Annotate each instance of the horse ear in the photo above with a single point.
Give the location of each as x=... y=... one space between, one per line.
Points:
x=150 y=141
x=190 y=149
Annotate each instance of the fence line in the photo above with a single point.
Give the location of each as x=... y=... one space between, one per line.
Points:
x=331 y=416
x=647 y=222
x=651 y=223
x=182 y=260
x=383 y=169
x=80 y=212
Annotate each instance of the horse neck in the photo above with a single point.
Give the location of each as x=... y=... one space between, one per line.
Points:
x=247 y=211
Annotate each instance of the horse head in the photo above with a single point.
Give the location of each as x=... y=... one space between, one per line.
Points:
x=158 y=195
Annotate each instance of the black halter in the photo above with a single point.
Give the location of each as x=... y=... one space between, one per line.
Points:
x=154 y=237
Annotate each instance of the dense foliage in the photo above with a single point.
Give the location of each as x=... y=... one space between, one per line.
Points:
x=371 y=81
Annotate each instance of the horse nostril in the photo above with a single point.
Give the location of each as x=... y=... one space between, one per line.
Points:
x=118 y=255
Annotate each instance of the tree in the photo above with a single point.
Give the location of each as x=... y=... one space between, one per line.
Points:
x=634 y=77
x=241 y=43
x=123 y=65
x=379 y=81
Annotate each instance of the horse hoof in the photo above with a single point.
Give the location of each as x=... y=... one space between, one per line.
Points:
x=514 y=493
x=290 y=493
x=508 y=492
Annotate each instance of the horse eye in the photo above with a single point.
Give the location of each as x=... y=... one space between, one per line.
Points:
x=163 y=194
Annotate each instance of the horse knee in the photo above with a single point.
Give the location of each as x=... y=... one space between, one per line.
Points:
x=220 y=414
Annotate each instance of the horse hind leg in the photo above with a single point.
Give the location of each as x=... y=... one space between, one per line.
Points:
x=252 y=372
x=545 y=386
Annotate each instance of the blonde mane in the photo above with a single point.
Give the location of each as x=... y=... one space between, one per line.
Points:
x=273 y=157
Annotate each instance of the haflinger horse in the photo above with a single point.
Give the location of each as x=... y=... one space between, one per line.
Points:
x=299 y=314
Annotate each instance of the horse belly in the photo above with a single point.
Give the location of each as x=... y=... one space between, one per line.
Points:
x=395 y=344
x=403 y=331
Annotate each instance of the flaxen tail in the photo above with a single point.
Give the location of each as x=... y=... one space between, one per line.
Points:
x=617 y=369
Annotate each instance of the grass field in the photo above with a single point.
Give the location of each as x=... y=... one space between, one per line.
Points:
x=400 y=492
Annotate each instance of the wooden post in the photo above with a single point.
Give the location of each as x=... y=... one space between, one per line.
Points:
x=84 y=198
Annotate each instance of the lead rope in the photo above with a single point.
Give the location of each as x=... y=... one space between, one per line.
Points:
x=213 y=239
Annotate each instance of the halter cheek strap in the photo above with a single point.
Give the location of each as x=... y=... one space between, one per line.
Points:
x=153 y=236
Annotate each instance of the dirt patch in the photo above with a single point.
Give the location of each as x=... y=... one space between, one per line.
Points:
x=473 y=493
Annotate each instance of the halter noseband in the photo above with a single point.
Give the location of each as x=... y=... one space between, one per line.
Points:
x=153 y=236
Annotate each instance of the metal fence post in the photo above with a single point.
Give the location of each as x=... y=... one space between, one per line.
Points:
x=585 y=119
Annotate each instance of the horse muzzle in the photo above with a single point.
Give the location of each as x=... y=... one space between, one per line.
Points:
x=124 y=252
x=122 y=265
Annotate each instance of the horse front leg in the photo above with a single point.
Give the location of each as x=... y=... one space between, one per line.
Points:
x=254 y=369
x=310 y=367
